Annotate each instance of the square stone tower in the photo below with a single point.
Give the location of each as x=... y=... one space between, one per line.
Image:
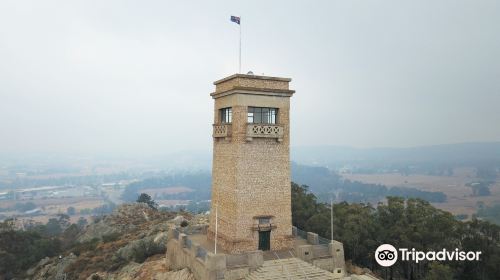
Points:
x=251 y=193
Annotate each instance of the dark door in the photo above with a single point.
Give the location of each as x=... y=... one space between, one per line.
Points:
x=265 y=240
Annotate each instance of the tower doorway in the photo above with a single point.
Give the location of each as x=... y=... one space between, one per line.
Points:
x=265 y=240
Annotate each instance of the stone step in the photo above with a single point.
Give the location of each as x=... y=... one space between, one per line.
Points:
x=288 y=277
x=289 y=269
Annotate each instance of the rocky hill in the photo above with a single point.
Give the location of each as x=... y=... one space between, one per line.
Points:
x=128 y=244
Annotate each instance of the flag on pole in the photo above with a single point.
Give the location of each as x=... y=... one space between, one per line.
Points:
x=235 y=19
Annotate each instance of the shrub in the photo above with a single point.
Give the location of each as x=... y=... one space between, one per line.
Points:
x=111 y=237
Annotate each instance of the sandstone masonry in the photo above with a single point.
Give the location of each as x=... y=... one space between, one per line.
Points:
x=251 y=193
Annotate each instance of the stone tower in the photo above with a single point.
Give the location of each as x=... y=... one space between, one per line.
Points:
x=251 y=193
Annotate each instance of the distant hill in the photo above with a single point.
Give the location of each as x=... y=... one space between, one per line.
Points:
x=456 y=154
x=469 y=154
x=326 y=184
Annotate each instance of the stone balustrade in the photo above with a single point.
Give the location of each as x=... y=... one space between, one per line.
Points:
x=264 y=131
x=222 y=130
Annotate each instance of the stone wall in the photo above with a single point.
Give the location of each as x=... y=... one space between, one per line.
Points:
x=184 y=253
x=325 y=256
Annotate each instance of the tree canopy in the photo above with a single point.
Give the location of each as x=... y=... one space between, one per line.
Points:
x=404 y=223
x=146 y=198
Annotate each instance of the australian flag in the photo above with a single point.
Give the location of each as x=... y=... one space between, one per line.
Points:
x=235 y=19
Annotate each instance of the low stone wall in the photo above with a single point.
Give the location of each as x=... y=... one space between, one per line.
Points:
x=325 y=256
x=184 y=253
x=236 y=260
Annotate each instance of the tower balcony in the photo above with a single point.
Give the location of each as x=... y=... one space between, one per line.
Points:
x=264 y=131
x=222 y=130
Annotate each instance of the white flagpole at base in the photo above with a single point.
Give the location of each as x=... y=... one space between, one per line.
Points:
x=240 y=45
x=216 y=225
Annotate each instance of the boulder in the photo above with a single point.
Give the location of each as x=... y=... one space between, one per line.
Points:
x=139 y=250
x=178 y=220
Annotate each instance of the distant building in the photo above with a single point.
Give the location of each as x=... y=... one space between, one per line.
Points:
x=33 y=211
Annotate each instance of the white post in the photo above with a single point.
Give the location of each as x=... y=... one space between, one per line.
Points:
x=216 y=225
x=240 y=47
x=331 y=217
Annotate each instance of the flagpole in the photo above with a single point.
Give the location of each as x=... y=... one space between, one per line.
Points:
x=331 y=218
x=216 y=225
x=240 y=46
x=216 y=221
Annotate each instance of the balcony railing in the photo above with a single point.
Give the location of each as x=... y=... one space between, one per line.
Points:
x=222 y=130
x=264 y=131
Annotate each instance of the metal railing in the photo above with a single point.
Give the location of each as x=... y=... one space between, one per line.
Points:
x=302 y=233
x=323 y=241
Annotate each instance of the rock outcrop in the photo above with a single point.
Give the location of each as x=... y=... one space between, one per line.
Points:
x=53 y=269
x=130 y=244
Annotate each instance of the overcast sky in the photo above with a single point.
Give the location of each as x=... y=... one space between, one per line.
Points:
x=134 y=77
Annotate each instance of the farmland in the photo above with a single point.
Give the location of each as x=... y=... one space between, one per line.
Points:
x=459 y=196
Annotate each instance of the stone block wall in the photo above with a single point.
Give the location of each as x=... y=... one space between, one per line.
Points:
x=210 y=266
x=325 y=256
x=337 y=251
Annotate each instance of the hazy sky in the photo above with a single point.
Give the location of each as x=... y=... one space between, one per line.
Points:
x=134 y=77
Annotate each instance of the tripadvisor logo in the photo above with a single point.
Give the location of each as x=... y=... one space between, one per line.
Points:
x=386 y=255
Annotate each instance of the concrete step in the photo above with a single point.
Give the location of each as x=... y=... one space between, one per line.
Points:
x=289 y=269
